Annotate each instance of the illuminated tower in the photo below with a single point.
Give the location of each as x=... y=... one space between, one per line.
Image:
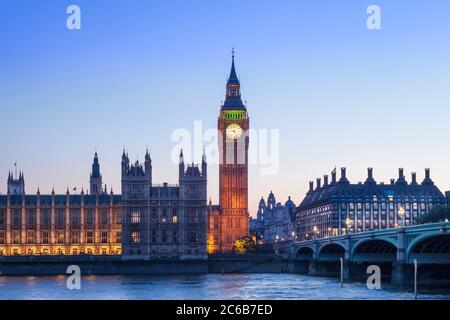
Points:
x=233 y=125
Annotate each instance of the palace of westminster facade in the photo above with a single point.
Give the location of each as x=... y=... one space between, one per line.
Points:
x=145 y=220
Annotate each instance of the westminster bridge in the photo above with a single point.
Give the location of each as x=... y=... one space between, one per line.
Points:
x=393 y=250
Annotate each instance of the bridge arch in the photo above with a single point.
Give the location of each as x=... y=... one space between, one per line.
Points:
x=331 y=252
x=304 y=253
x=374 y=250
x=433 y=247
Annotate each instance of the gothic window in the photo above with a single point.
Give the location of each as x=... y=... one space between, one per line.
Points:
x=75 y=237
x=17 y=218
x=118 y=236
x=90 y=217
x=192 y=237
x=89 y=237
x=31 y=218
x=2 y=237
x=45 y=237
x=60 y=218
x=30 y=237
x=75 y=217
x=175 y=236
x=15 y=237
x=46 y=218
x=104 y=237
x=104 y=217
x=2 y=217
x=60 y=238
x=135 y=237
x=135 y=217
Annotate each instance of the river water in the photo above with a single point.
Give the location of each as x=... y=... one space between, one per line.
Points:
x=207 y=286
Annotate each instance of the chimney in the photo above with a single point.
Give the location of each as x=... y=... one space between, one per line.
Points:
x=343 y=174
x=400 y=174
x=333 y=177
x=318 y=183
x=325 y=180
x=369 y=173
x=392 y=182
x=311 y=186
x=427 y=174
x=414 y=178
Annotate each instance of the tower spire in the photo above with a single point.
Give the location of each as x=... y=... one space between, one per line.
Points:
x=233 y=94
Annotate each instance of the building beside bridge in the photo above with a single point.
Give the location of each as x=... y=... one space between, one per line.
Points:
x=338 y=207
x=275 y=222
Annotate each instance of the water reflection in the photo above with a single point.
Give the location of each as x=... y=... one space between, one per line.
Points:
x=207 y=286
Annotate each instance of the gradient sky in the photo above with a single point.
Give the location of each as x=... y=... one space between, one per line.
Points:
x=340 y=94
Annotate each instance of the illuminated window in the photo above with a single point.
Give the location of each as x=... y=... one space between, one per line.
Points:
x=30 y=237
x=45 y=237
x=104 y=237
x=135 y=237
x=118 y=236
x=75 y=237
x=90 y=237
x=16 y=237
x=135 y=217
x=174 y=219
x=60 y=237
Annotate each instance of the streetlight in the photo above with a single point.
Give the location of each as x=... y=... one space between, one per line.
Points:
x=401 y=214
x=315 y=231
x=348 y=222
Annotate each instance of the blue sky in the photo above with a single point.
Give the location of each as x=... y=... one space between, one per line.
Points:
x=340 y=95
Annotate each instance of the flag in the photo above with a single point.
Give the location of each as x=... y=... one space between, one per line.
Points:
x=74 y=189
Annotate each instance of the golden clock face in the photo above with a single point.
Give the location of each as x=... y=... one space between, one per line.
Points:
x=234 y=131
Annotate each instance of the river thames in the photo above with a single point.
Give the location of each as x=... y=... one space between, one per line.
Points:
x=202 y=287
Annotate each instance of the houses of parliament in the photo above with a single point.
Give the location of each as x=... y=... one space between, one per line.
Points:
x=146 y=220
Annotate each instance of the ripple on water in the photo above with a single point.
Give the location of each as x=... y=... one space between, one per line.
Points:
x=208 y=286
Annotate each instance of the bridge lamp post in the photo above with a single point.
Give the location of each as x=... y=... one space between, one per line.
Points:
x=348 y=223
x=315 y=232
x=401 y=214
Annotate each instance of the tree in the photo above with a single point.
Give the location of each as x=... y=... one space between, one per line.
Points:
x=437 y=214
x=244 y=245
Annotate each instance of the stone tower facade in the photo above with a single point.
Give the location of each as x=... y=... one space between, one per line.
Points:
x=16 y=185
x=163 y=221
x=233 y=126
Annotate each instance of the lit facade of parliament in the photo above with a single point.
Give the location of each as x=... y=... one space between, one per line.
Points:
x=145 y=220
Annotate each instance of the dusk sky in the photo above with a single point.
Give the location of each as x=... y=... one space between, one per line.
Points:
x=340 y=94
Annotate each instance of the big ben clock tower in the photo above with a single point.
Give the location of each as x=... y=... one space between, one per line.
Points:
x=233 y=125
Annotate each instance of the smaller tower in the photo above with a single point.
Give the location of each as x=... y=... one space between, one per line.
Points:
x=181 y=165
x=204 y=165
x=16 y=185
x=96 y=178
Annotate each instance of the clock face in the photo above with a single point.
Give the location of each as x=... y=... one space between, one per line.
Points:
x=234 y=131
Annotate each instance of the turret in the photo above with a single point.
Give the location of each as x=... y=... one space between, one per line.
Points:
x=148 y=166
x=95 y=180
x=204 y=164
x=181 y=165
